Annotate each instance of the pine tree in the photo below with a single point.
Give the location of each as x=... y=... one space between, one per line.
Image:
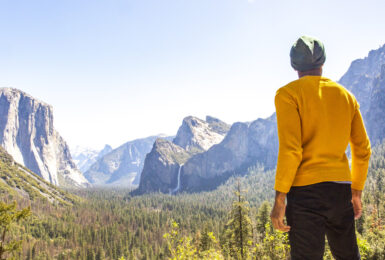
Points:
x=263 y=217
x=238 y=228
x=205 y=242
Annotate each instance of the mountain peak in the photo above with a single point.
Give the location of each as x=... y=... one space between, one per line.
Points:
x=196 y=135
x=210 y=119
x=106 y=149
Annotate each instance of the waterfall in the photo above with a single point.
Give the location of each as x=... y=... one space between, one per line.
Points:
x=178 y=183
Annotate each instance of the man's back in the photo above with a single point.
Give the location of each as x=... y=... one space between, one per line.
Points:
x=319 y=113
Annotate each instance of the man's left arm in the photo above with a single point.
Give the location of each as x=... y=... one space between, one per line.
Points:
x=289 y=154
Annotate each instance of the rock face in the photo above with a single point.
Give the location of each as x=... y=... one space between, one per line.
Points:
x=85 y=157
x=121 y=166
x=28 y=135
x=197 y=135
x=245 y=145
x=365 y=79
x=163 y=165
x=375 y=115
x=360 y=77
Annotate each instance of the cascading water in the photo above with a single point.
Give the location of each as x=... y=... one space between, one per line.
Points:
x=178 y=182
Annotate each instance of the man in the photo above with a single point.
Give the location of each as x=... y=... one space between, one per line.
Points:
x=316 y=119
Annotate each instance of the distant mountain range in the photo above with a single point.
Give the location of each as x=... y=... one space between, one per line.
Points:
x=85 y=157
x=121 y=166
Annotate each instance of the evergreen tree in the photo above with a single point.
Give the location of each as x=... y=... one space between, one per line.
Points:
x=206 y=240
x=239 y=229
x=263 y=217
x=274 y=245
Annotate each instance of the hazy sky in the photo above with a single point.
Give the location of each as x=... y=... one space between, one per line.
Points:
x=116 y=70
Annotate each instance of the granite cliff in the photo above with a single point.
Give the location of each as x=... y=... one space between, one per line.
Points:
x=27 y=133
x=245 y=145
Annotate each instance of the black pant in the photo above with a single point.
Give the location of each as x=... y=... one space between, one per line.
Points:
x=318 y=209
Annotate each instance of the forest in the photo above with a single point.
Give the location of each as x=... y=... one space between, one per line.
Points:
x=231 y=222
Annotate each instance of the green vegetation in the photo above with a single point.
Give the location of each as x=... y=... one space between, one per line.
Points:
x=108 y=224
x=371 y=226
x=111 y=224
x=237 y=240
x=18 y=182
x=8 y=217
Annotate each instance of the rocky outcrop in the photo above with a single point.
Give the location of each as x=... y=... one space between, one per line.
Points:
x=196 y=135
x=27 y=133
x=245 y=145
x=375 y=116
x=162 y=166
x=365 y=79
x=360 y=77
x=85 y=157
x=121 y=166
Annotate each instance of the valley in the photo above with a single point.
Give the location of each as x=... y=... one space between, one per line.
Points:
x=161 y=197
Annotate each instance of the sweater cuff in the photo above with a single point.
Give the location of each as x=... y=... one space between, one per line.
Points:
x=358 y=185
x=282 y=186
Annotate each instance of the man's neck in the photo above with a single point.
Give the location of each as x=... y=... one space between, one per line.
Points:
x=315 y=72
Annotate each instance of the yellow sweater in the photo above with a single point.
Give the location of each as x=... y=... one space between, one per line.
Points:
x=316 y=119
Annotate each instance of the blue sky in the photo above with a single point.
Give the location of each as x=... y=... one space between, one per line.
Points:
x=118 y=70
